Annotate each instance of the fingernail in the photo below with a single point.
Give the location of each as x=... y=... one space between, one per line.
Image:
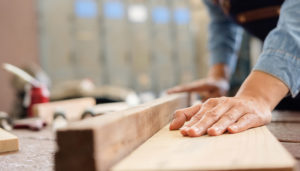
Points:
x=172 y=122
x=183 y=128
x=217 y=129
x=233 y=127
x=196 y=130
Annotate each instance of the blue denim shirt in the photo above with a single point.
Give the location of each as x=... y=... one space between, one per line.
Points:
x=281 y=51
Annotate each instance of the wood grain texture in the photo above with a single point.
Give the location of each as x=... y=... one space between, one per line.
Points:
x=8 y=142
x=286 y=116
x=254 y=149
x=73 y=108
x=286 y=132
x=100 y=142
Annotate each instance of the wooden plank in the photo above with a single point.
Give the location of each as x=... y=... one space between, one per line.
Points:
x=73 y=109
x=293 y=148
x=100 y=142
x=286 y=132
x=254 y=149
x=285 y=116
x=8 y=142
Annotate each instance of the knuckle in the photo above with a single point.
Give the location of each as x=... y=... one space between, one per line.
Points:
x=212 y=115
x=197 y=117
x=247 y=117
x=178 y=113
x=210 y=101
x=226 y=100
x=239 y=103
x=229 y=117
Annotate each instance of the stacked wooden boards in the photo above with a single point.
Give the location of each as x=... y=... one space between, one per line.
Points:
x=8 y=142
x=255 y=149
x=98 y=143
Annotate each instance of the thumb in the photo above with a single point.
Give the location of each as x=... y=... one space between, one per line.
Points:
x=182 y=115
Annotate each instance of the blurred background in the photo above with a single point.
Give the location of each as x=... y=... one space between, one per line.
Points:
x=143 y=46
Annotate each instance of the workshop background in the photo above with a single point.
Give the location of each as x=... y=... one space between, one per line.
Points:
x=143 y=45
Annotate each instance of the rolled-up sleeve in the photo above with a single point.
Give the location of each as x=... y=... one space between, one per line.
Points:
x=224 y=36
x=281 y=51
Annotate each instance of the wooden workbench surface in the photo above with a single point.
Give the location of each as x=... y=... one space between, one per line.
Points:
x=37 y=148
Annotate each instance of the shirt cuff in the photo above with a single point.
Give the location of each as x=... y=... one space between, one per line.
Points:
x=283 y=65
x=223 y=56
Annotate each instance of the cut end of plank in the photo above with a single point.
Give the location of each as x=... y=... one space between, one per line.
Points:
x=100 y=142
x=8 y=142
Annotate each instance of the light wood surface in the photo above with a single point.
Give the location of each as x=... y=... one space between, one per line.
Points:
x=8 y=142
x=100 y=142
x=73 y=109
x=255 y=149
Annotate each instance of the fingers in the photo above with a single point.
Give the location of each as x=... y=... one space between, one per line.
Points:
x=205 y=107
x=245 y=122
x=208 y=119
x=226 y=120
x=183 y=115
x=217 y=115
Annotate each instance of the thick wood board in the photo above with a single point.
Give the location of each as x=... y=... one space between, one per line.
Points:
x=100 y=142
x=254 y=149
x=8 y=142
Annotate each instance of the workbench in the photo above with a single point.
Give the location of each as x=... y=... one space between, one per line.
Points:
x=37 y=149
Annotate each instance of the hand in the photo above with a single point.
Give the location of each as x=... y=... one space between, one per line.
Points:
x=215 y=85
x=216 y=115
x=206 y=88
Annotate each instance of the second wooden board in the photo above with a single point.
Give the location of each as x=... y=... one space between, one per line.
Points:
x=255 y=149
x=8 y=142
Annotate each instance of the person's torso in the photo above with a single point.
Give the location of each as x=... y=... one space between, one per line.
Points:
x=258 y=17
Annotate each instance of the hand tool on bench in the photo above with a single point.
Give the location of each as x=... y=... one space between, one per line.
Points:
x=36 y=92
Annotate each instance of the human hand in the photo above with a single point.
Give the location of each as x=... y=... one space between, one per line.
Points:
x=206 y=88
x=216 y=115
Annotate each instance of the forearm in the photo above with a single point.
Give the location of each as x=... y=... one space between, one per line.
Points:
x=224 y=37
x=219 y=71
x=264 y=88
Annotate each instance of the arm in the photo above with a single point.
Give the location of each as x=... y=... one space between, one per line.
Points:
x=276 y=73
x=224 y=37
x=224 y=40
